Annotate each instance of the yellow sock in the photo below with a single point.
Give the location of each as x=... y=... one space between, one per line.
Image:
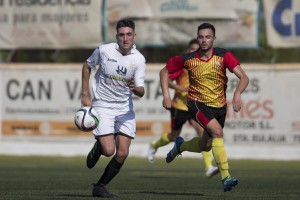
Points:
x=220 y=156
x=164 y=140
x=191 y=145
x=207 y=159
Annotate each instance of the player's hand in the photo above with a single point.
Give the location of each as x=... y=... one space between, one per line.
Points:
x=237 y=102
x=137 y=90
x=85 y=100
x=131 y=84
x=167 y=103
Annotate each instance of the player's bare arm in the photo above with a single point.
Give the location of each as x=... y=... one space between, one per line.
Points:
x=244 y=80
x=85 y=94
x=164 y=83
x=174 y=86
x=138 y=91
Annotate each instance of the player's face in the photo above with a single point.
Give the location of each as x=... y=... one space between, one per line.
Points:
x=193 y=47
x=206 y=39
x=125 y=39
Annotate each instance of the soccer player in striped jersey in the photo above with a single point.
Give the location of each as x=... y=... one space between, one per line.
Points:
x=120 y=74
x=180 y=115
x=206 y=97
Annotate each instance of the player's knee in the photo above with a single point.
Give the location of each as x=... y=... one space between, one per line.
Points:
x=218 y=132
x=108 y=152
x=122 y=155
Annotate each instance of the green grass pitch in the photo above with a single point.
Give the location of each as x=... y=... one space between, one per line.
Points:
x=42 y=178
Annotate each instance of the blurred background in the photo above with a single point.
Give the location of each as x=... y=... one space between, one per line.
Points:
x=43 y=45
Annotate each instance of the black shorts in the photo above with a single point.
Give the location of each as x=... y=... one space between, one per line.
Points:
x=178 y=118
x=203 y=114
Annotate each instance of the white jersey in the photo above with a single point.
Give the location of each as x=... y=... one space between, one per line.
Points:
x=110 y=84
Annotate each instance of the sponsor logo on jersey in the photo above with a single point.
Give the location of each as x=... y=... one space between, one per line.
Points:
x=218 y=64
x=121 y=70
x=132 y=67
x=112 y=60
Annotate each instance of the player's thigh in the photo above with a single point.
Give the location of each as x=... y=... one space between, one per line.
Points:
x=199 y=129
x=107 y=144
x=214 y=129
x=122 y=146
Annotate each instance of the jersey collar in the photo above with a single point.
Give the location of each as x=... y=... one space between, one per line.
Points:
x=132 y=49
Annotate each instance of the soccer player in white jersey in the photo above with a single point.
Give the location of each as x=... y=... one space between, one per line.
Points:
x=120 y=74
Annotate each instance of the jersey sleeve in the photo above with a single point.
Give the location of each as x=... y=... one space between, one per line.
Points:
x=139 y=76
x=230 y=61
x=174 y=64
x=94 y=59
x=175 y=75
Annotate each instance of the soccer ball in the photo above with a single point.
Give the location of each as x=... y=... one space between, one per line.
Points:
x=86 y=119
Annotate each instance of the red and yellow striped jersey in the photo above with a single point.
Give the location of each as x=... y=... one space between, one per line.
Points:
x=207 y=78
x=180 y=98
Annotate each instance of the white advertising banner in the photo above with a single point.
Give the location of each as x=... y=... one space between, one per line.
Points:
x=213 y=9
x=282 y=19
x=50 y=24
x=41 y=101
x=164 y=22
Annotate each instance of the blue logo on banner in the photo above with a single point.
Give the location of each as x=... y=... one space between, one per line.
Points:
x=177 y=5
x=280 y=27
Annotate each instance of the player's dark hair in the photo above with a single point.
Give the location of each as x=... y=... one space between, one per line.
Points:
x=207 y=26
x=125 y=23
x=193 y=41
